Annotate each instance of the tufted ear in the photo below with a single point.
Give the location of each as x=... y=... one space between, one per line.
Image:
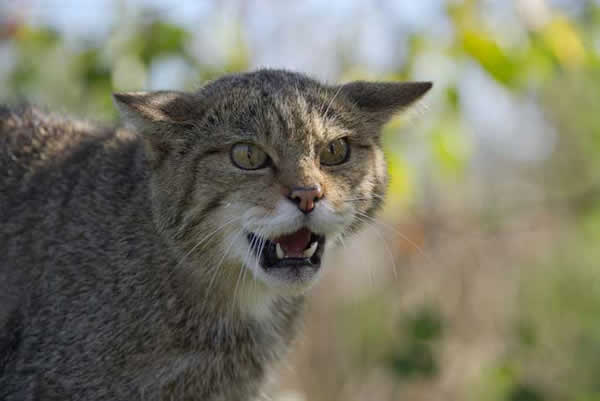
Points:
x=379 y=101
x=147 y=110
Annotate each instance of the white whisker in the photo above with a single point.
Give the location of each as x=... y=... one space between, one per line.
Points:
x=332 y=99
x=208 y=236
x=401 y=235
x=218 y=266
x=243 y=267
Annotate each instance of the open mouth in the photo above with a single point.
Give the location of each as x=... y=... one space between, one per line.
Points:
x=301 y=248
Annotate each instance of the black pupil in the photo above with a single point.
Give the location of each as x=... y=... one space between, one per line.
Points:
x=249 y=154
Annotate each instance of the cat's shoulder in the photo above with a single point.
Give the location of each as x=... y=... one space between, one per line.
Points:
x=33 y=136
x=26 y=121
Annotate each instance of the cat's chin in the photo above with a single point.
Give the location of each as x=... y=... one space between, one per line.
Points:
x=291 y=261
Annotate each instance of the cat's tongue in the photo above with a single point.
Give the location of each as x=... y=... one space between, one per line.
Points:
x=294 y=244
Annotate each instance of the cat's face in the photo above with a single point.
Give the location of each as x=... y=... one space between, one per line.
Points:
x=257 y=174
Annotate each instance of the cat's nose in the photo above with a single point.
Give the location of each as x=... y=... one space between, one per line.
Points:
x=306 y=197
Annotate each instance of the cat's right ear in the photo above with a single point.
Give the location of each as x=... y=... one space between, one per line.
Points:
x=162 y=118
x=149 y=111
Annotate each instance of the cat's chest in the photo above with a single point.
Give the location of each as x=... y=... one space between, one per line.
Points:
x=216 y=357
x=208 y=367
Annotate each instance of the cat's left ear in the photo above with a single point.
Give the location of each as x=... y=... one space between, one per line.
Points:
x=379 y=101
x=147 y=111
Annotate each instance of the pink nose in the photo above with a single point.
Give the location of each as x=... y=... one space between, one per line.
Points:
x=306 y=197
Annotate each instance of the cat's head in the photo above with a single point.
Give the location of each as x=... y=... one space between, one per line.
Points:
x=254 y=174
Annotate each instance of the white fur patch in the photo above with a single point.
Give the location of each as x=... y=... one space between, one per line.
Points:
x=259 y=288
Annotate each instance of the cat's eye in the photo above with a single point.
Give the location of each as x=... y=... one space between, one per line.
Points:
x=248 y=156
x=336 y=152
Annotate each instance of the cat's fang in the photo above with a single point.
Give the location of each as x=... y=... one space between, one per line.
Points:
x=309 y=252
x=274 y=254
x=279 y=251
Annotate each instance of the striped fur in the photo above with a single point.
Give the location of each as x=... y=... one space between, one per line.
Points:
x=124 y=269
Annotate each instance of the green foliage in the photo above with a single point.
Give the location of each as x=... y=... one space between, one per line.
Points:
x=417 y=359
x=416 y=356
x=158 y=39
x=81 y=74
x=426 y=325
x=406 y=344
x=450 y=148
x=490 y=55
x=524 y=393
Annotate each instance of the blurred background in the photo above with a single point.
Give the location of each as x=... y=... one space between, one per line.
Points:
x=481 y=278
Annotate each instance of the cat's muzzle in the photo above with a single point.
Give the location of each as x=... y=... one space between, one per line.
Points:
x=299 y=249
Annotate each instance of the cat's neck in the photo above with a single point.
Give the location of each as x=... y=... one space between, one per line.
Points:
x=267 y=318
x=235 y=296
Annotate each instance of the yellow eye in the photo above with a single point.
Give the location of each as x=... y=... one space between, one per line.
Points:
x=248 y=156
x=336 y=152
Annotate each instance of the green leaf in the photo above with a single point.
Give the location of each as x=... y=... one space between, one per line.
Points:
x=524 y=393
x=160 y=38
x=426 y=325
x=450 y=147
x=490 y=55
x=416 y=360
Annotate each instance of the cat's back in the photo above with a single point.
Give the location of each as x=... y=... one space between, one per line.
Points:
x=74 y=234
x=31 y=138
x=36 y=144
x=63 y=183
x=45 y=157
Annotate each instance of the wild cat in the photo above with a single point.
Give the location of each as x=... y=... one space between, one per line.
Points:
x=170 y=260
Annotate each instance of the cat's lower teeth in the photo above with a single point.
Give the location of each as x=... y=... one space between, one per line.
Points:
x=279 y=251
x=309 y=252
x=273 y=254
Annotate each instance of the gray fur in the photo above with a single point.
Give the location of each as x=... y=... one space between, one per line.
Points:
x=102 y=293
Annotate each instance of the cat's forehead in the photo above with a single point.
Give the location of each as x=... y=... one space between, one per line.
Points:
x=296 y=111
x=268 y=81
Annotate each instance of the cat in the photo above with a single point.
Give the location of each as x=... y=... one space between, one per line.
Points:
x=169 y=260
